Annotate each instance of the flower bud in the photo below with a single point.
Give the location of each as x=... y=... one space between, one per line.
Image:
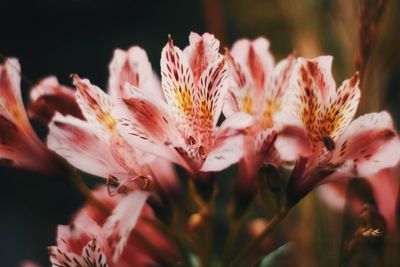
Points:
x=196 y=222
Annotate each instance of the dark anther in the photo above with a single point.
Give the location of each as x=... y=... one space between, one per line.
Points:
x=112 y=181
x=201 y=151
x=328 y=142
x=191 y=140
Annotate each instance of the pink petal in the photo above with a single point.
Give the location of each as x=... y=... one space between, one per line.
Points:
x=178 y=84
x=334 y=194
x=343 y=108
x=148 y=127
x=307 y=100
x=319 y=70
x=10 y=95
x=49 y=97
x=77 y=142
x=165 y=174
x=237 y=83
x=238 y=121
x=385 y=185
x=91 y=256
x=212 y=92
x=255 y=59
x=73 y=238
x=258 y=149
x=132 y=160
x=225 y=152
x=50 y=86
x=201 y=53
x=23 y=150
x=386 y=156
x=228 y=147
x=94 y=213
x=280 y=80
x=323 y=111
x=260 y=61
x=95 y=104
x=371 y=142
x=124 y=218
x=292 y=141
x=133 y=67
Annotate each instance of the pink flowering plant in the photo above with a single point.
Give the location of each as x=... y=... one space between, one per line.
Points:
x=161 y=143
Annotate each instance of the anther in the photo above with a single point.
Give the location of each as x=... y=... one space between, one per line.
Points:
x=191 y=140
x=112 y=181
x=328 y=142
x=201 y=151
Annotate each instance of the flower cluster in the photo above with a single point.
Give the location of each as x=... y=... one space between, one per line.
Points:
x=208 y=112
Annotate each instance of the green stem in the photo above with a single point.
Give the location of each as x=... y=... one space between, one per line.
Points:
x=234 y=228
x=278 y=217
x=87 y=193
x=208 y=235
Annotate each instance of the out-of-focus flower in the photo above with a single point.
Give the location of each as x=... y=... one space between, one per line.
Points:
x=337 y=147
x=258 y=88
x=93 y=144
x=183 y=128
x=48 y=97
x=19 y=145
x=90 y=229
x=29 y=263
x=385 y=186
x=91 y=255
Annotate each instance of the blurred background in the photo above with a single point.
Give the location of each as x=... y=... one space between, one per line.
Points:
x=78 y=36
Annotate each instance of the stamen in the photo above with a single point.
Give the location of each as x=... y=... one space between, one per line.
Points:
x=191 y=140
x=122 y=189
x=112 y=181
x=328 y=142
x=201 y=151
x=146 y=182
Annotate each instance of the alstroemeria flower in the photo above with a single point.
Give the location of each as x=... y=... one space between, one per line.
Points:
x=183 y=127
x=90 y=227
x=337 y=146
x=385 y=187
x=94 y=145
x=19 y=145
x=258 y=89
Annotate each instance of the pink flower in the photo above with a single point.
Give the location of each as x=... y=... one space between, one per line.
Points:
x=183 y=128
x=337 y=147
x=19 y=145
x=110 y=236
x=385 y=186
x=259 y=89
x=94 y=144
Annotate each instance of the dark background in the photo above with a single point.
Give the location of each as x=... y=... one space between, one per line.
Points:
x=70 y=36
